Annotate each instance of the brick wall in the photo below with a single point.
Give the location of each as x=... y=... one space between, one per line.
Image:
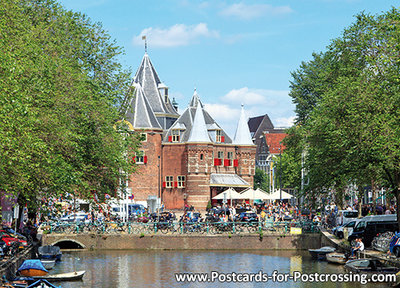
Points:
x=145 y=181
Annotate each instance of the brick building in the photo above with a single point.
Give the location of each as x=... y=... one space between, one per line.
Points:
x=268 y=140
x=188 y=158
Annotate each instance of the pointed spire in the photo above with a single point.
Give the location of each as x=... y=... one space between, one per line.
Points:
x=195 y=100
x=139 y=112
x=242 y=135
x=148 y=78
x=199 y=131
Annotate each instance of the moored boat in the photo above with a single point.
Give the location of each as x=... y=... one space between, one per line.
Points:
x=41 y=283
x=71 y=276
x=369 y=266
x=320 y=253
x=48 y=263
x=337 y=258
x=50 y=252
x=32 y=268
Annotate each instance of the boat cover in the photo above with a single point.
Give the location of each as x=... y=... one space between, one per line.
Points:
x=32 y=264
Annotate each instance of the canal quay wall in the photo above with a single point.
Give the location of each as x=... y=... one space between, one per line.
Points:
x=9 y=267
x=184 y=242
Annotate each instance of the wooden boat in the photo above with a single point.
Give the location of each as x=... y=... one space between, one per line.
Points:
x=50 y=252
x=337 y=258
x=32 y=268
x=48 y=263
x=70 y=276
x=320 y=253
x=369 y=266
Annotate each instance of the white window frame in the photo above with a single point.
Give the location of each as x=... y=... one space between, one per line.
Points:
x=181 y=181
x=169 y=181
x=176 y=135
x=218 y=136
x=139 y=159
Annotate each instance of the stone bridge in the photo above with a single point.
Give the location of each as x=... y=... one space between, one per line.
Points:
x=182 y=242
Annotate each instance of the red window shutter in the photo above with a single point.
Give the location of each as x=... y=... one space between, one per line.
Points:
x=236 y=163
x=226 y=162
x=169 y=138
x=220 y=162
x=134 y=159
x=164 y=184
x=222 y=138
x=145 y=159
x=216 y=161
x=175 y=184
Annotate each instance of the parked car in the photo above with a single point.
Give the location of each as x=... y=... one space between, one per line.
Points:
x=75 y=217
x=394 y=245
x=369 y=226
x=339 y=230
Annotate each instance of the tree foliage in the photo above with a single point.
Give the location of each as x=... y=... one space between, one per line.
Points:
x=60 y=88
x=347 y=104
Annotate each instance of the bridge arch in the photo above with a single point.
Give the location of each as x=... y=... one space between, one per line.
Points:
x=68 y=243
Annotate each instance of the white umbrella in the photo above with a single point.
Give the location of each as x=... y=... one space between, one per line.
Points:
x=277 y=195
x=230 y=194
x=252 y=194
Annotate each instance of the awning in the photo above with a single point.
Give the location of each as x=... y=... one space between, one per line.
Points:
x=227 y=180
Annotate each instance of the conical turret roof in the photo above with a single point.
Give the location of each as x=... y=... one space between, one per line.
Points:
x=139 y=112
x=199 y=131
x=242 y=135
x=148 y=78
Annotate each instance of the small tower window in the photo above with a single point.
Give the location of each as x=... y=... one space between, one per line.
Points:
x=218 y=136
x=201 y=156
x=175 y=135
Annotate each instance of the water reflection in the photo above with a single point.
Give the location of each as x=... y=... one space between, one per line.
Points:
x=158 y=268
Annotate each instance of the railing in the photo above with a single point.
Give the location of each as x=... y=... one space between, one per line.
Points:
x=210 y=228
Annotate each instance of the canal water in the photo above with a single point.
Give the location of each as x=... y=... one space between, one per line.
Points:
x=157 y=268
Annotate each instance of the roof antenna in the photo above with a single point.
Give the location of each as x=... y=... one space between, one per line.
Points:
x=145 y=43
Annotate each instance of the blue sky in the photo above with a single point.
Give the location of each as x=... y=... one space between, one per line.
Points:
x=233 y=52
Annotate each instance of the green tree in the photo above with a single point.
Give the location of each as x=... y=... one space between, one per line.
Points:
x=60 y=88
x=352 y=131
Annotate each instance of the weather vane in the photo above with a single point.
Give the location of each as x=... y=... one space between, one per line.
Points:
x=145 y=43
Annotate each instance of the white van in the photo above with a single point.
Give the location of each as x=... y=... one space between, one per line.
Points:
x=345 y=216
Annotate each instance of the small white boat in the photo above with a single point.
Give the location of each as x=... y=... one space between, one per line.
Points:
x=48 y=263
x=70 y=276
x=337 y=258
x=320 y=253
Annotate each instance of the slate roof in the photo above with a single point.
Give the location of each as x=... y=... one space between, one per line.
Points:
x=185 y=123
x=259 y=124
x=148 y=78
x=242 y=135
x=139 y=112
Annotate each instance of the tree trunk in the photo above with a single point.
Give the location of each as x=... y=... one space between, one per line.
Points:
x=360 y=196
x=397 y=195
x=373 y=189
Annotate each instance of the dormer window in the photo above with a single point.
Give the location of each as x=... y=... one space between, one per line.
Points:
x=218 y=136
x=163 y=89
x=175 y=135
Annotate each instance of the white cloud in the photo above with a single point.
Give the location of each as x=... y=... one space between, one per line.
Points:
x=247 y=12
x=276 y=103
x=284 y=122
x=177 y=35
